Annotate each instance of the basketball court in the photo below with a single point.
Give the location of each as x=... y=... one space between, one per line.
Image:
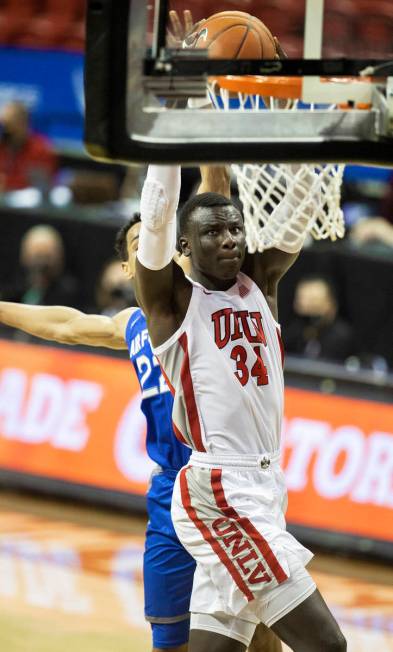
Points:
x=70 y=575
x=71 y=578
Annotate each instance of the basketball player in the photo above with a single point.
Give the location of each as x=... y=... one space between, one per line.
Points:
x=168 y=567
x=218 y=342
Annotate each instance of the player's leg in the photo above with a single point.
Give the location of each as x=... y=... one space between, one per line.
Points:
x=219 y=632
x=203 y=641
x=168 y=572
x=264 y=640
x=311 y=627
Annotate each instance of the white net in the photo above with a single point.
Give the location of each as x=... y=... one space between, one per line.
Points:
x=282 y=202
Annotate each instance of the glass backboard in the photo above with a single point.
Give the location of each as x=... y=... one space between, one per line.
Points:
x=149 y=98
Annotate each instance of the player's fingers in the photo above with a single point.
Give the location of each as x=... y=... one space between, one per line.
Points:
x=188 y=21
x=176 y=24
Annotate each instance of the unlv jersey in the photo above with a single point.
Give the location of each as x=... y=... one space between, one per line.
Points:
x=224 y=369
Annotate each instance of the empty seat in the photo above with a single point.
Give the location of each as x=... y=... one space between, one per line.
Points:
x=49 y=26
x=14 y=17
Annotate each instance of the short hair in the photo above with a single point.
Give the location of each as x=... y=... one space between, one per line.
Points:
x=121 y=237
x=203 y=200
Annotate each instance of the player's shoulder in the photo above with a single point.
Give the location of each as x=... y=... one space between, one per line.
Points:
x=135 y=324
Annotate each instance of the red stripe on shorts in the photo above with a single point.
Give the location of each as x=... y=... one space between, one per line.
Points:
x=247 y=526
x=189 y=397
x=208 y=536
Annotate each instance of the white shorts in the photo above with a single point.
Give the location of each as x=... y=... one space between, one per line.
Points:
x=229 y=514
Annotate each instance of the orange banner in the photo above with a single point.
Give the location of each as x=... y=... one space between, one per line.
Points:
x=338 y=461
x=72 y=416
x=76 y=417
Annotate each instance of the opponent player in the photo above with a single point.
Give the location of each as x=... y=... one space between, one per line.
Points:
x=168 y=568
x=217 y=340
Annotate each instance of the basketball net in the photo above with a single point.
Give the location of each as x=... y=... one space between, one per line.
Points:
x=310 y=194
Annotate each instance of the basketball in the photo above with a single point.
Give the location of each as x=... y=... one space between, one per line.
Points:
x=234 y=35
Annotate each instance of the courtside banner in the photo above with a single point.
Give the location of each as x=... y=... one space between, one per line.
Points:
x=75 y=417
x=72 y=416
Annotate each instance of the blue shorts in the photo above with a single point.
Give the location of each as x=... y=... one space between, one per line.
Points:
x=168 y=570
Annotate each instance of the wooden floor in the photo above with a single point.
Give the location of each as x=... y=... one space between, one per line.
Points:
x=71 y=580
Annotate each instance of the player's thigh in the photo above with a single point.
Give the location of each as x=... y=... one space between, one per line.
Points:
x=311 y=627
x=264 y=640
x=204 y=641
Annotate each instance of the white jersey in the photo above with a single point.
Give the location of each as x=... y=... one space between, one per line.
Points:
x=224 y=368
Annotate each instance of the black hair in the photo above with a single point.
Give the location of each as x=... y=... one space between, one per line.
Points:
x=203 y=200
x=121 y=237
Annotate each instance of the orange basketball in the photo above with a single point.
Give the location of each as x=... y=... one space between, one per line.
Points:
x=234 y=35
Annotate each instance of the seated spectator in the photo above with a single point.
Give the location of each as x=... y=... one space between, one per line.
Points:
x=372 y=230
x=114 y=292
x=26 y=158
x=43 y=280
x=316 y=331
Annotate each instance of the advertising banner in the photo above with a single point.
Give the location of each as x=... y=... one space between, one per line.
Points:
x=75 y=417
x=30 y=76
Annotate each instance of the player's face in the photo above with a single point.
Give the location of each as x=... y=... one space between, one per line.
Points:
x=132 y=248
x=217 y=242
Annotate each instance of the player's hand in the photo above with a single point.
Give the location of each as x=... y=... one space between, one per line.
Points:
x=179 y=30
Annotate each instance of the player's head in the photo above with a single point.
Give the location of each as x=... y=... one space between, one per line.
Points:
x=126 y=244
x=315 y=298
x=211 y=232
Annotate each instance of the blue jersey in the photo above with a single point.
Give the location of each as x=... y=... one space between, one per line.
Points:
x=161 y=443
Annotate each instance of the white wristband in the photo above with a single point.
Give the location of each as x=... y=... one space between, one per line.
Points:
x=159 y=201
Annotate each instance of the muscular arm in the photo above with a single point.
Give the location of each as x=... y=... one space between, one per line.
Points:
x=162 y=289
x=67 y=325
x=215 y=178
x=268 y=267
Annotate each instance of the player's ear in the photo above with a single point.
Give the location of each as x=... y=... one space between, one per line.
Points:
x=127 y=270
x=184 y=246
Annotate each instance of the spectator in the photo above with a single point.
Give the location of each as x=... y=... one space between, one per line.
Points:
x=316 y=331
x=26 y=158
x=43 y=279
x=114 y=291
x=372 y=230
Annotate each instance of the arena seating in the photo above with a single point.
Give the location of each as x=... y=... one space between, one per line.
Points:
x=358 y=28
x=42 y=23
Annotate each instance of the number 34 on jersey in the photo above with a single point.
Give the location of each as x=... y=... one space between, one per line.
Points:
x=232 y=325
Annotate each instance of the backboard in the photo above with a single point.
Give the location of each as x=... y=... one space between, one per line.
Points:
x=138 y=85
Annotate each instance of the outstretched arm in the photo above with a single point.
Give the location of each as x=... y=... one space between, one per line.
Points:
x=67 y=325
x=162 y=290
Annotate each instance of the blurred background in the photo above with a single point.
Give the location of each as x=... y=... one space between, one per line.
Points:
x=59 y=214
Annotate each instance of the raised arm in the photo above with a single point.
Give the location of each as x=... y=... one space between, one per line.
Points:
x=162 y=290
x=67 y=325
x=268 y=267
x=215 y=178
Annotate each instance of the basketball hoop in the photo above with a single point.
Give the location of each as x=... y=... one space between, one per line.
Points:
x=310 y=191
